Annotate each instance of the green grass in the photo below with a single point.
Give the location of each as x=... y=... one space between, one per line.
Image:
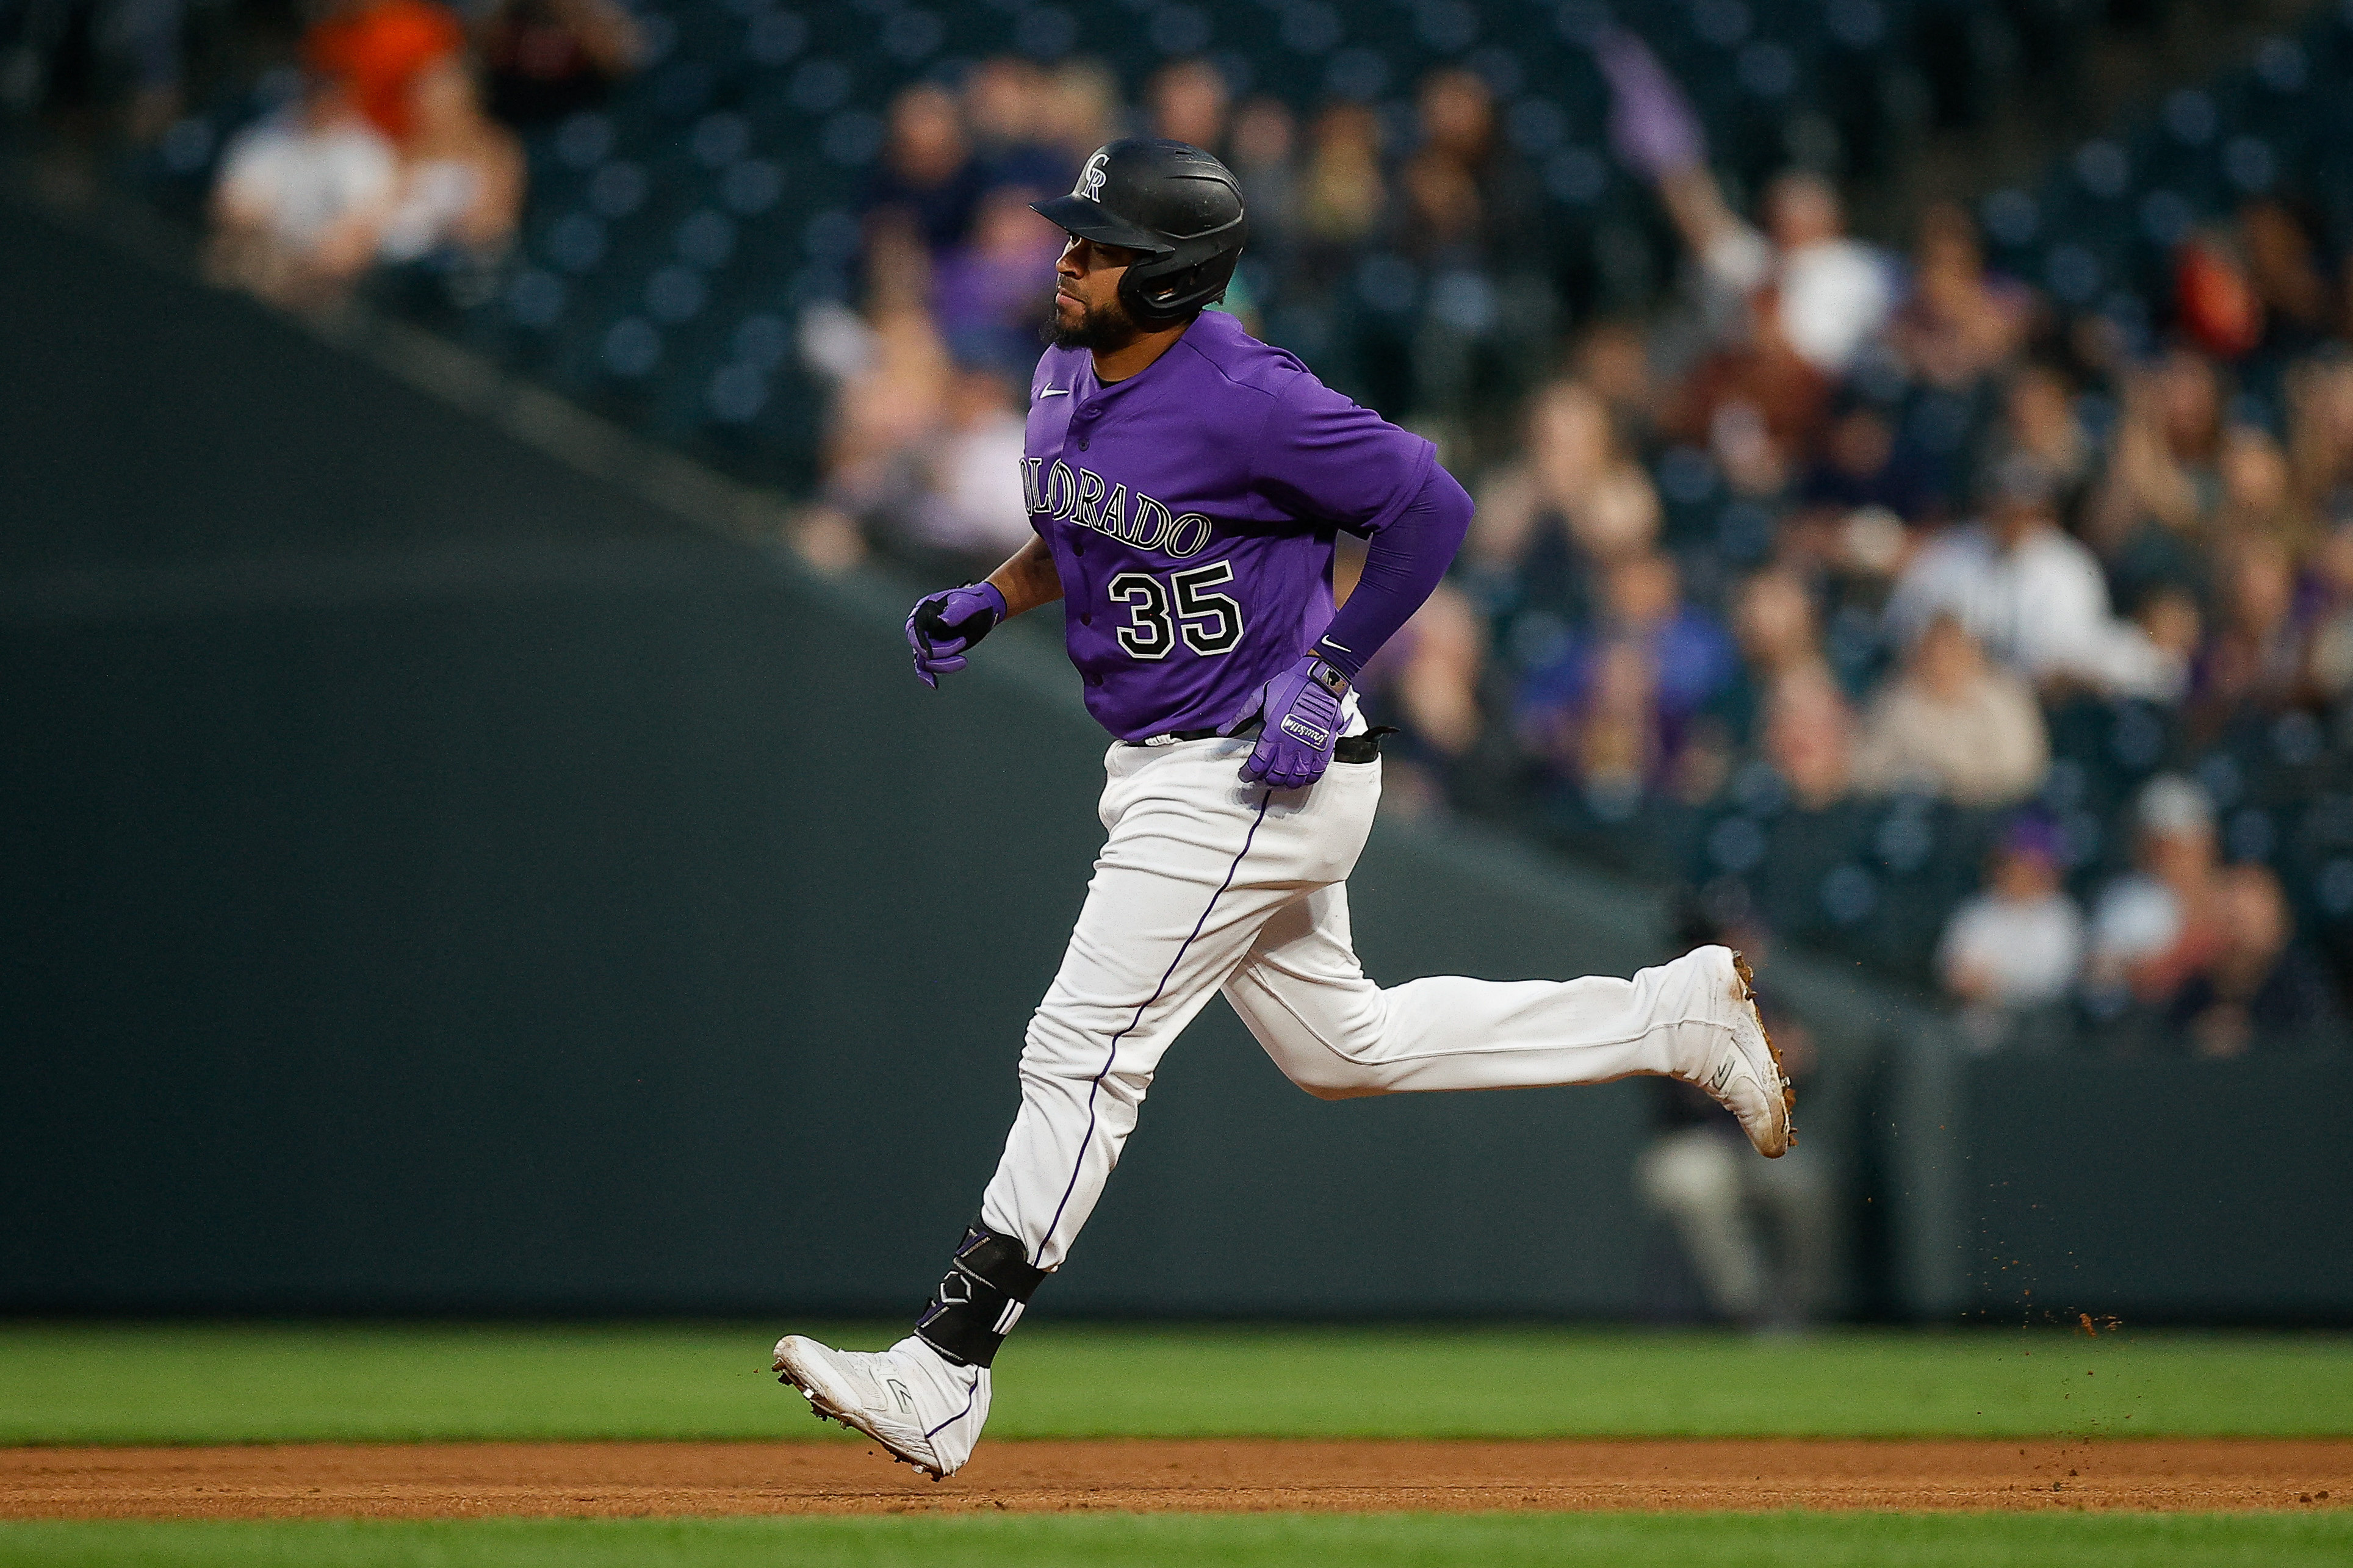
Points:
x=1231 y=1540
x=206 y=1384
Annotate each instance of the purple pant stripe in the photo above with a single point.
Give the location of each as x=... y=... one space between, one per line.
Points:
x=1111 y=1054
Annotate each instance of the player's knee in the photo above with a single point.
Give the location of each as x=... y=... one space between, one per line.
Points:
x=1053 y=1047
x=1056 y=1054
x=1331 y=1077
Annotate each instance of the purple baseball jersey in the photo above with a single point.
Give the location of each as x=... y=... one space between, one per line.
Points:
x=1192 y=511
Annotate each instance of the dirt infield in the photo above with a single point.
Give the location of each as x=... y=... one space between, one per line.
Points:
x=447 y=1480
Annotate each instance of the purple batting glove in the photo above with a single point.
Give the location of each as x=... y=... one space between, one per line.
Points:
x=1302 y=708
x=943 y=627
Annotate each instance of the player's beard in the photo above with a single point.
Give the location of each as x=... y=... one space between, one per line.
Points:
x=1105 y=328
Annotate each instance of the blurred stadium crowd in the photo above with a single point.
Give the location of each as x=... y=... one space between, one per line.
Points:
x=1976 y=605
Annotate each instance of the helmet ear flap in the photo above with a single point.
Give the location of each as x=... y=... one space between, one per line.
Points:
x=1177 y=285
x=1160 y=292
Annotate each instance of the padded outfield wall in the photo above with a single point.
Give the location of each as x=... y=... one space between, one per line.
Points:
x=438 y=880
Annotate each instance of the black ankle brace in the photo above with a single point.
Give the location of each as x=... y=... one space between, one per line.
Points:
x=975 y=1305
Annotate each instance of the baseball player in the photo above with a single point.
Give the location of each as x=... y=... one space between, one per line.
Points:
x=1185 y=483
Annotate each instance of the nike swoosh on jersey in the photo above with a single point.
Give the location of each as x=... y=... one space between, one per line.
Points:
x=1055 y=392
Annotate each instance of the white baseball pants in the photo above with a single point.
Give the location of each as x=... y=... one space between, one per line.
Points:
x=1207 y=883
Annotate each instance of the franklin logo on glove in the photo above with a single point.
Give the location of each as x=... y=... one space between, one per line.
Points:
x=1301 y=708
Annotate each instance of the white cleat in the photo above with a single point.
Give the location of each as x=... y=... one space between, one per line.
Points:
x=922 y=1407
x=1743 y=1069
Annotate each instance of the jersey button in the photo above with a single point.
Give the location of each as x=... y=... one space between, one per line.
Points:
x=1078 y=550
x=1094 y=680
x=1082 y=443
x=1086 y=620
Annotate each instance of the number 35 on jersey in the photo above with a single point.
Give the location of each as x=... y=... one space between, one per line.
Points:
x=1186 y=604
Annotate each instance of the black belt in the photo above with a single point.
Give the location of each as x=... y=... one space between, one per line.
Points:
x=1364 y=748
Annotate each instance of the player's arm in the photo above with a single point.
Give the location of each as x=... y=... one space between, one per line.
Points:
x=943 y=626
x=1027 y=579
x=1322 y=455
x=1404 y=562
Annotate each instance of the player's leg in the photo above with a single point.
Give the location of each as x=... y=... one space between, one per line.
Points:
x=1337 y=1035
x=1692 y=1176
x=1193 y=865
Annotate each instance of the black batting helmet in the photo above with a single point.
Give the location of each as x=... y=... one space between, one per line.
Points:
x=1178 y=205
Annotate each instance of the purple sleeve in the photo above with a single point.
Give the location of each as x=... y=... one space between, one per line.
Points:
x=1324 y=457
x=1402 y=565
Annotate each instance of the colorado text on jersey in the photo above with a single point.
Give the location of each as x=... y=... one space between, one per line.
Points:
x=1083 y=497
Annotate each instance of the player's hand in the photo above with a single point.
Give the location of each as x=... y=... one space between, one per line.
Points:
x=944 y=627
x=1302 y=708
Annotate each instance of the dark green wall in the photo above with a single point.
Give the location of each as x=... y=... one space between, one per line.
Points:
x=2162 y=1189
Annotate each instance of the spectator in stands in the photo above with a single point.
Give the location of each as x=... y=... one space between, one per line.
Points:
x=378 y=48
x=2261 y=987
x=2032 y=596
x=2039 y=421
x=302 y=199
x=1808 y=737
x=1861 y=465
x=2254 y=292
x=1466 y=193
x=926 y=180
x=461 y=177
x=1779 y=636
x=1264 y=144
x=986 y=297
x=1443 y=220
x=2328 y=609
x=1956 y=325
x=1081 y=110
x=2159 y=926
x=1800 y=284
x=1756 y=429
x=2320 y=434
x=548 y=59
x=1461 y=198
x=2161 y=483
x=1614 y=359
x=2017 y=945
x=1005 y=105
x=1952 y=725
x=2289 y=279
x=970 y=510
x=1616 y=708
x=2258 y=493
x=1757 y=1233
x=1576 y=502
x=1188 y=100
x=2255 y=660
x=1855 y=501
x=888 y=403
x=1343 y=195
